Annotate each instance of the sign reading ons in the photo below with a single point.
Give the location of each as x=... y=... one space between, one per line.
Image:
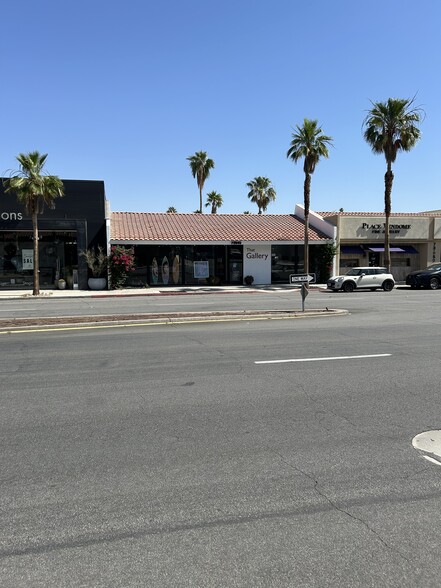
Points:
x=7 y=215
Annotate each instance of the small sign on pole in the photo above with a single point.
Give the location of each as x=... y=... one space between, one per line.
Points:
x=300 y=279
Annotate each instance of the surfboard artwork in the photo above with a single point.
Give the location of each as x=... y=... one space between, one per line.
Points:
x=165 y=270
x=154 y=271
x=176 y=270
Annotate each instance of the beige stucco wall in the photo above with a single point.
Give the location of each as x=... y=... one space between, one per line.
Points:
x=371 y=229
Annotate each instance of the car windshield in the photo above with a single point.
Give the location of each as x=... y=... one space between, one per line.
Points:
x=434 y=267
x=355 y=271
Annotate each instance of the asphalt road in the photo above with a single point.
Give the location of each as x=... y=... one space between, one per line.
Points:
x=166 y=456
x=277 y=299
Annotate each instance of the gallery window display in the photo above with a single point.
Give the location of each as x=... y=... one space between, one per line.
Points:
x=175 y=265
x=58 y=258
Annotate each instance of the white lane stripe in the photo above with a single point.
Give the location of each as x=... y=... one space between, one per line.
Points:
x=324 y=358
x=428 y=444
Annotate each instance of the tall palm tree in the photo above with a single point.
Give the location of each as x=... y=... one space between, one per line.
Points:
x=308 y=143
x=214 y=199
x=200 y=166
x=34 y=189
x=390 y=127
x=261 y=192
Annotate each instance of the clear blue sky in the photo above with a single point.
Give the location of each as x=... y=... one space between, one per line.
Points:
x=125 y=91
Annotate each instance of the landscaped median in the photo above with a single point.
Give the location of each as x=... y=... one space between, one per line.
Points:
x=169 y=317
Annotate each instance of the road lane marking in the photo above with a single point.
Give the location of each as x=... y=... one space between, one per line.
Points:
x=428 y=444
x=304 y=359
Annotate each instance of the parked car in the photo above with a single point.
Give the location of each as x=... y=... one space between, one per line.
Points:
x=429 y=277
x=371 y=278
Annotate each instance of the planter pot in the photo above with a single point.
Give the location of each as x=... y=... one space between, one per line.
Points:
x=97 y=283
x=61 y=285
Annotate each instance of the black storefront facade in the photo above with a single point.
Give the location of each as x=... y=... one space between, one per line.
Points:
x=77 y=223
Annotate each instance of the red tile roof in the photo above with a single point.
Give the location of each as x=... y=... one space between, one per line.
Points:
x=396 y=214
x=190 y=228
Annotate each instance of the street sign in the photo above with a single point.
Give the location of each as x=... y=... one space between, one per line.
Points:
x=301 y=278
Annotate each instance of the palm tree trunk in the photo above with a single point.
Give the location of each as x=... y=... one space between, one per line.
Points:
x=36 y=290
x=306 y=198
x=388 y=181
x=200 y=200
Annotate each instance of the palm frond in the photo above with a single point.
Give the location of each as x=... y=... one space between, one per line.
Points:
x=261 y=192
x=309 y=143
x=393 y=126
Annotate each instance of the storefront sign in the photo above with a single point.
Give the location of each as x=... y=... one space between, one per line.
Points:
x=8 y=215
x=251 y=253
x=373 y=228
x=380 y=228
x=27 y=258
x=257 y=263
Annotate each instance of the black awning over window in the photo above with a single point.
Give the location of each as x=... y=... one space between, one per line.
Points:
x=352 y=249
x=409 y=249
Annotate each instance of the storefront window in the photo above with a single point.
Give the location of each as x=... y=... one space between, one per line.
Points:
x=235 y=264
x=199 y=264
x=157 y=266
x=57 y=258
x=285 y=260
x=349 y=262
x=174 y=265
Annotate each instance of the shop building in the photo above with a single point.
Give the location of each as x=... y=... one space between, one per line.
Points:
x=197 y=249
x=415 y=240
x=77 y=222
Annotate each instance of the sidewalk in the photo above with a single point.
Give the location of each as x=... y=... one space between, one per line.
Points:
x=164 y=291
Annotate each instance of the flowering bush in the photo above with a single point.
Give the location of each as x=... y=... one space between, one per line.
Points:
x=121 y=262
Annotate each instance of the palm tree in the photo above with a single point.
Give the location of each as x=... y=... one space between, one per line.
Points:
x=261 y=192
x=171 y=209
x=390 y=127
x=200 y=166
x=309 y=143
x=34 y=189
x=214 y=200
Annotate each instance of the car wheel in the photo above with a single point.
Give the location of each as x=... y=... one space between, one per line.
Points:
x=434 y=283
x=388 y=285
x=348 y=287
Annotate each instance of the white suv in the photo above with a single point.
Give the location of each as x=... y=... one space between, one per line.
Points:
x=362 y=277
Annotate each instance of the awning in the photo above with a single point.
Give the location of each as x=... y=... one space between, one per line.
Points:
x=352 y=249
x=409 y=249
x=403 y=249
x=381 y=249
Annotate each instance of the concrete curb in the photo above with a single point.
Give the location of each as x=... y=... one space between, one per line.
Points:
x=11 y=325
